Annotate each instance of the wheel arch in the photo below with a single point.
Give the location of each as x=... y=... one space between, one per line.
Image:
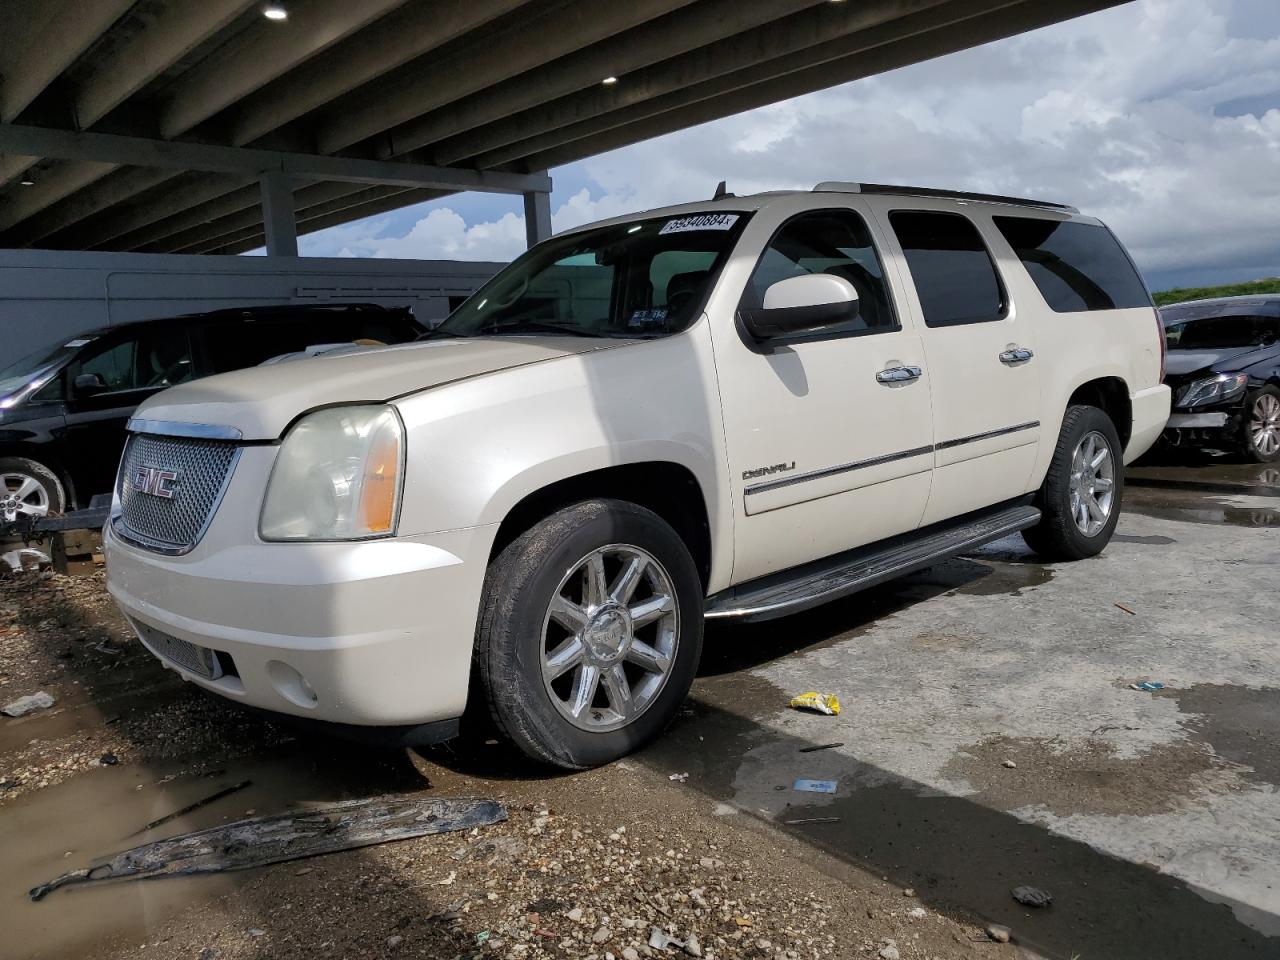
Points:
x=1111 y=396
x=669 y=489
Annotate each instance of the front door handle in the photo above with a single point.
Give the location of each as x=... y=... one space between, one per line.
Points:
x=1015 y=355
x=891 y=375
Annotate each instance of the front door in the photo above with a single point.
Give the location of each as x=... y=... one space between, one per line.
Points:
x=981 y=354
x=125 y=369
x=825 y=451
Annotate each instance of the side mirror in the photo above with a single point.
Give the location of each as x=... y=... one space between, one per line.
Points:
x=801 y=305
x=87 y=384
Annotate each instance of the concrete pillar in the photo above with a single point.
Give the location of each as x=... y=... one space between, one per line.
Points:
x=278 y=221
x=537 y=216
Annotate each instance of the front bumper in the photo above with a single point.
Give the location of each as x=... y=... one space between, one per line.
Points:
x=1150 y=410
x=370 y=634
x=1197 y=421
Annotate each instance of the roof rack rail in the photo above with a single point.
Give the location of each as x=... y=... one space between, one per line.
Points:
x=838 y=186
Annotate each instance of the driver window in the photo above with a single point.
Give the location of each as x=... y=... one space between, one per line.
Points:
x=156 y=359
x=828 y=241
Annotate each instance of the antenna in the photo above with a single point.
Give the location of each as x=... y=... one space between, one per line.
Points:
x=721 y=192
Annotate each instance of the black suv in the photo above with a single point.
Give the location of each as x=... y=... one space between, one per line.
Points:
x=1224 y=369
x=63 y=410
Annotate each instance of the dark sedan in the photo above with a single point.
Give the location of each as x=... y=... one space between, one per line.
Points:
x=63 y=410
x=1224 y=369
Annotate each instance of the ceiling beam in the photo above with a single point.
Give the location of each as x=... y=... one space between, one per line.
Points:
x=477 y=63
x=268 y=51
x=68 y=33
x=698 y=107
x=19 y=204
x=370 y=209
x=834 y=26
x=140 y=151
x=161 y=38
x=620 y=55
x=186 y=194
x=412 y=31
x=112 y=189
x=246 y=212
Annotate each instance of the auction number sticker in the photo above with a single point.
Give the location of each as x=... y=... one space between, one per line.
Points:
x=701 y=221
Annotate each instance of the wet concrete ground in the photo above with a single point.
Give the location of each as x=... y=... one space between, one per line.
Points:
x=1152 y=817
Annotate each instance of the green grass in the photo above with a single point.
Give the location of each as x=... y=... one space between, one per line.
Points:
x=1180 y=294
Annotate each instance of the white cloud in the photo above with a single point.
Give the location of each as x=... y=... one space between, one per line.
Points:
x=1114 y=112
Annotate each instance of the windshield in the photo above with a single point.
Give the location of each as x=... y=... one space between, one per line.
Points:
x=18 y=375
x=644 y=278
x=1220 y=333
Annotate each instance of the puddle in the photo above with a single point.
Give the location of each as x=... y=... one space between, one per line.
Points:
x=99 y=813
x=1192 y=508
x=1241 y=724
x=957 y=852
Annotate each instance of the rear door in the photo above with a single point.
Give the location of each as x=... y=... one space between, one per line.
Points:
x=980 y=352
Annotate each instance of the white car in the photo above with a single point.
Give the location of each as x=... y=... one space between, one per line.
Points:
x=731 y=409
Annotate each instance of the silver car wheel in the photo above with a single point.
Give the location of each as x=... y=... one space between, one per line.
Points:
x=609 y=638
x=1264 y=425
x=22 y=495
x=1093 y=483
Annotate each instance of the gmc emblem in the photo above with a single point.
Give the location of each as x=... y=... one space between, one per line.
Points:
x=156 y=482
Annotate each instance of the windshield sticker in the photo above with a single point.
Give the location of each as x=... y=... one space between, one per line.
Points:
x=703 y=221
x=77 y=343
x=655 y=319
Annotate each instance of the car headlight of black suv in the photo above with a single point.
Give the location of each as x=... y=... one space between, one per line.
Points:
x=1208 y=390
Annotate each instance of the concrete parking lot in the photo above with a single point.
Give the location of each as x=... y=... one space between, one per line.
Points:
x=989 y=738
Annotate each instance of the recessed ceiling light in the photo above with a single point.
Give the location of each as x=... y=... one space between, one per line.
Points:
x=275 y=11
x=27 y=183
x=609 y=81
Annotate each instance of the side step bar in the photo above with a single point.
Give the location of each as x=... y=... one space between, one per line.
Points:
x=816 y=583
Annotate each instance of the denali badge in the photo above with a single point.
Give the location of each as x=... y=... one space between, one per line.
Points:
x=765 y=471
x=156 y=482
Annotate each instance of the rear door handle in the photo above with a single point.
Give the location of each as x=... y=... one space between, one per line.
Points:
x=893 y=375
x=1016 y=355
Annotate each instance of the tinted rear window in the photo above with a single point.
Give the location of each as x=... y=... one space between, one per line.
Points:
x=952 y=270
x=1076 y=266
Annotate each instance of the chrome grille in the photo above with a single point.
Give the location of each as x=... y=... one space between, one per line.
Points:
x=200 y=470
x=191 y=657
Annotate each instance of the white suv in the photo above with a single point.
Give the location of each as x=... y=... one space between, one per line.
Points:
x=732 y=409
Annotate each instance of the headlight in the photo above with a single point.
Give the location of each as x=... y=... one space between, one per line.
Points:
x=1224 y=386
x=337 y=477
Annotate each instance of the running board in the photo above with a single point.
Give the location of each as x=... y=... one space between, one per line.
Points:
x=816 y=583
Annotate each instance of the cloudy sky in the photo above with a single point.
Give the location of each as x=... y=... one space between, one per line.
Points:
x=1162 y=117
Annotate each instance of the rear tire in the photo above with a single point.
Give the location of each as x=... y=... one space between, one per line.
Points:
x=580 y=657
x=1081 y=496
x=1260 y=433
x=29 y=489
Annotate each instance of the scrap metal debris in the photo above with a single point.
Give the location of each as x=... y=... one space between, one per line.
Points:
x=820 y=746
x=195 y=806
x=260 y=841
x=28 y=704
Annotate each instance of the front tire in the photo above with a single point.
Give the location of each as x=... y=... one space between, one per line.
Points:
x=1261 y=429
x=590 y=633
x=29 y=489
x=1080 y=499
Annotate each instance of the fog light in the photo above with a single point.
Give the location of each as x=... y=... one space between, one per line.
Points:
x=291 y=685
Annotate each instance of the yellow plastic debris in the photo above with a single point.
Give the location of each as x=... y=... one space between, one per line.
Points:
x=818 y=702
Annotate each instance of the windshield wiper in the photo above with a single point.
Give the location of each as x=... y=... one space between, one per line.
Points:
x=538 y=326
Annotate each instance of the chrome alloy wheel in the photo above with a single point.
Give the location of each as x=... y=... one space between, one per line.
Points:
x=1093 y=483
x=1264 y=424
x=609 y=638
x=22 y=495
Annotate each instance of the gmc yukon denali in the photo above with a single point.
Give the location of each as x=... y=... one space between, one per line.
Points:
x=734 y=409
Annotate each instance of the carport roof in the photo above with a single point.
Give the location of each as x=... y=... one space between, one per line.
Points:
x=145 y=124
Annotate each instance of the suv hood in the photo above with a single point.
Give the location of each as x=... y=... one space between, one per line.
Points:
x=1180 y=362
x=262 y=401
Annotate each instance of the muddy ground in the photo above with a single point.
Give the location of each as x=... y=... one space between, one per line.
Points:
x=989 y=739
